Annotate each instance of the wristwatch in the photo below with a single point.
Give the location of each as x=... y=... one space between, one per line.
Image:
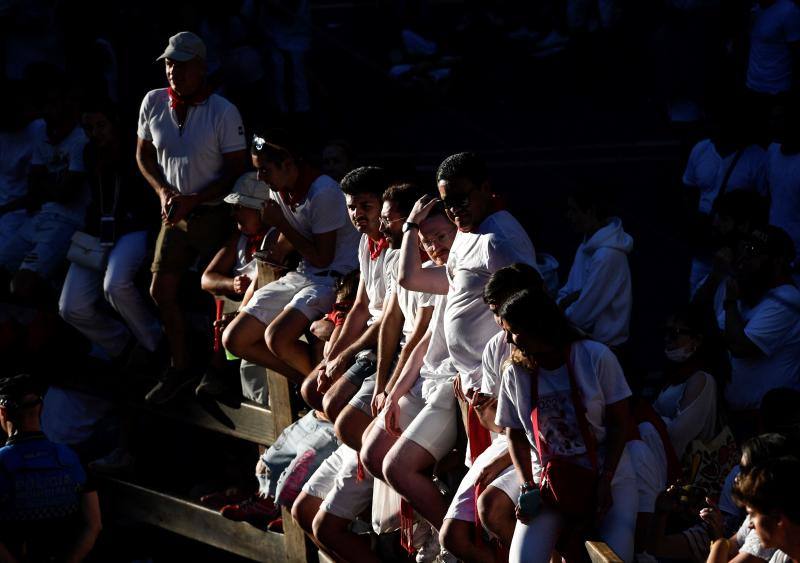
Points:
x=408 y=225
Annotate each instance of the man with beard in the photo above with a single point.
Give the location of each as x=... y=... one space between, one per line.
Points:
x=760 y=321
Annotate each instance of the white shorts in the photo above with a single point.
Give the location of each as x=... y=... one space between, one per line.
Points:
x=651 y=474
x=463 y=505
x=311 y=295
x=435 y=427
x=336 y=483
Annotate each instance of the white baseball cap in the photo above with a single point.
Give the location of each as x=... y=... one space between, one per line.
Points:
x=248 y=192
x=184 y=46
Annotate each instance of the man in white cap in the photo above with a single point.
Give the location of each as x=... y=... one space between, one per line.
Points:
x=191 y=148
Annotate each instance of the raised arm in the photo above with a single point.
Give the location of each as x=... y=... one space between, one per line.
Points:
x=411 y=274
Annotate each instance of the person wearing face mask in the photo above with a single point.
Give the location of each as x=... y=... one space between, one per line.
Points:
x=688 y=402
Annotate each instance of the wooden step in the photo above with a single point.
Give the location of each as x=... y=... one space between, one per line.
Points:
x=194 y=521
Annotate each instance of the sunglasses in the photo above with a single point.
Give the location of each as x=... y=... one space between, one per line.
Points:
x=384 y=222
x=457 y=201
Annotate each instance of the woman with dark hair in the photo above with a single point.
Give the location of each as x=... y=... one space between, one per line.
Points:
x=688 y=401
x=564 y=400
x=120 y=202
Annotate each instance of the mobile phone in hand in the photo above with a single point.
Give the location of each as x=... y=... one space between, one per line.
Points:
x=171 y=209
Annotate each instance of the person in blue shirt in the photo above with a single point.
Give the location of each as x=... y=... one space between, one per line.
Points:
x=48 y=509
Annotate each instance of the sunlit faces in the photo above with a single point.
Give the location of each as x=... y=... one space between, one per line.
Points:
x=98 y=128
x=391 y=223
x=466 y=203
x=436 y=236
x=248 y=220
x=278 y=176
x=185 y=77
x=365 y=213
x=766 y=528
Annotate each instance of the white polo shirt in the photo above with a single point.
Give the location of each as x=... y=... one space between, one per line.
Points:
x=60 y=158
x=191 y=157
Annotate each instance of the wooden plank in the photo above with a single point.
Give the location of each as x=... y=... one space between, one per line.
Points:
x=294 y=539
x=279 y=401
x=250 y=422
x=599 y=552
x=195 y=522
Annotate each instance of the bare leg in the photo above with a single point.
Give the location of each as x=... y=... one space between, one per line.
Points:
x=283 y=340
x=377 y=444
x=496 y=512
x=164 y=291
x=308 y=390
x=333 y=534
x=458 y=537
x=350 y=426
x=407 y=469
x=335 y=399
x=244 y=337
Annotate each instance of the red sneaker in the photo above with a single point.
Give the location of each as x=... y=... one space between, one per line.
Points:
x=219 y=499
x=256 y=510
x=276 y=526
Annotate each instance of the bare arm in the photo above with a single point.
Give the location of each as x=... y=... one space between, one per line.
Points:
x=618 y=421
x=520 y=449
x=90 y=507
x=421 y=324
x=147 y=160
x=388 y=340
x=411 y=274
x=216 y=278
x=736 y=339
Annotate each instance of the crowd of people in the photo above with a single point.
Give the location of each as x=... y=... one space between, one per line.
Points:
x=452 y=393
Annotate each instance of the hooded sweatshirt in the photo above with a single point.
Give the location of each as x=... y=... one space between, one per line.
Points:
x=601 y=273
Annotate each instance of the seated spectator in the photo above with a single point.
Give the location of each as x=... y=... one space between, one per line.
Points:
x=190 y=168
x=783 y=182
x=48 y=508
x=230 y=274
x=20 y=132
x=57 y=197
x=350 y=371
x=119 y=216
x=725 y=162
x=553 y=367
x=309 y=210
x=761 y=326
x=688 y=401
x=597 y=296
x=491 y=485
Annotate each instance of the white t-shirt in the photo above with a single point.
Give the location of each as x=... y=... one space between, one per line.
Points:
x=495 y=356
x=437 y=363
x=769 y=66
x=409 y=301
x=601 y=274
x=774 y=326
x=706 y=170
x=780 y=557
x=374 y=275
x=191 y=157
x=748 y=541
x=16 y=151
x=783 y=184
x=697 y=421
x=58 y=159
x=324 y=210
x=600 y=381
x=474 y=257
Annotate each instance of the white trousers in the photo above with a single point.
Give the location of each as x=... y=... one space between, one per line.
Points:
x=534 y=542
x=86 y=291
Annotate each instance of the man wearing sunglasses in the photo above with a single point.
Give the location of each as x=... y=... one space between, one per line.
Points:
x=190 y=149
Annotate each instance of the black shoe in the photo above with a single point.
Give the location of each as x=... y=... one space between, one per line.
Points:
x=168 y=388
x=212 y=384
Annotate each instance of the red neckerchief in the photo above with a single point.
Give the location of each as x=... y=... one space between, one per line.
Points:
x=375 y=248
x=181 y=104
x=253 y=244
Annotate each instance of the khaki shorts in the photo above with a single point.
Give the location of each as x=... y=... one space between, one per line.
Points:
x=202 y=235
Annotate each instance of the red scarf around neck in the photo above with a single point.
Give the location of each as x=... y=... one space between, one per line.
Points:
x=253 y=244
x=375 y=248
x=181 y=104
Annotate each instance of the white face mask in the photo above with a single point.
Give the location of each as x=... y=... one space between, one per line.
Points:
x=680 y=355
